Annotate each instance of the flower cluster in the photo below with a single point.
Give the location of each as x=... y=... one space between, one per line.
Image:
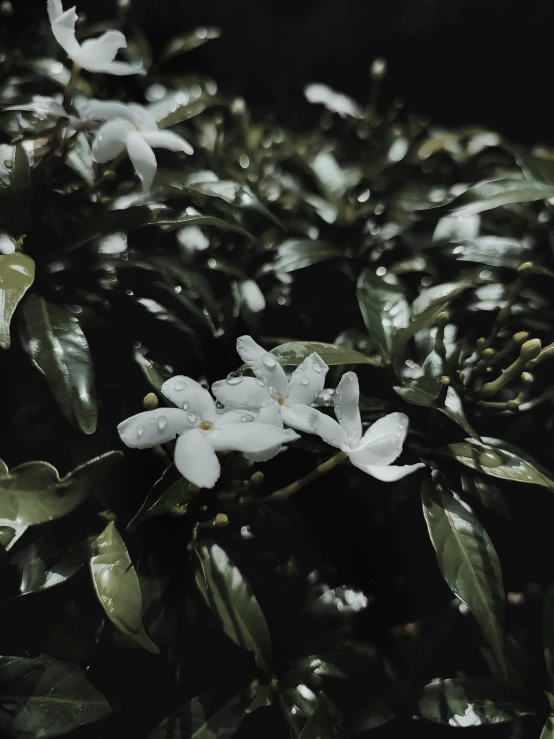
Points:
x=254 y=416
x=124 y=127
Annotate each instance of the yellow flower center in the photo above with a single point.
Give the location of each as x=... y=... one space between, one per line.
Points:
x=206 y=425
x=280 y=400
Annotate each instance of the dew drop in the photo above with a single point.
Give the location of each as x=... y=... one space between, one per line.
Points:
x=260 y=382
x=234 y=378
x=192 y=417
x=196 y=395
x=152 y=420
x=162 y=422
x=180 y=385
x=269 y=360
x=305 y=380
x=317 y=365
x=186 y=405
x=244 y=419
x=140 y=430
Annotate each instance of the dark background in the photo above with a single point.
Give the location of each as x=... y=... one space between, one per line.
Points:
x=488 y=62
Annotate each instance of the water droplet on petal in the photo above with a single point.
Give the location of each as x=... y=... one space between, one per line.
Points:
x=234 y=378
x=162 y=422
x=180 y=385
x=318 y=366
x=196 y=395
x=244 y=419
x=204 y=385
x=260 y=382
x=269 y=360
x=192 y=417
x=152 y=420
x=305 y=380
x=140 y=430
x=186 y=405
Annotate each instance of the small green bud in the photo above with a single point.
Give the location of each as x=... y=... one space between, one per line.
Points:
x=520 y=337
x=442 y=319
x=444 y=380
x=222 y=519
x=526 y=267
x=530 y=349
x=527 y=378
x=257 y=478
x=150 y=402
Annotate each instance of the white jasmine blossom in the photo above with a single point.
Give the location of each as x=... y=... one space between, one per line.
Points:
x=336 y=102
x=95 y=54
x=381 y=444
x=292 y=397
x=200 y=430
x=134 y=128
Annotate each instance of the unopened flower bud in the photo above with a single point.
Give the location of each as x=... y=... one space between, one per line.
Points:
x=526 y=267
x=221 y=520
x=257 y=478
x=527 y=378
x=489 y=353
x=520 y=337
x=150 y=402
x=6 y=9
x=531 y=349
x=442 y=319
x=378 y=68
x=481 y=342
x=444 y=380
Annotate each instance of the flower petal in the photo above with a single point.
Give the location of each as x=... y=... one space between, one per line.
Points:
x=270 y=414
x=247 y=393
x=110 y=140
x=168 y=140
x=142 y=117
x=394 y=427
x=328 y=429
x=63 y=26
x=236 y=415
x=98 y=110
x=307 y=380
x=196 y=460
x=147 y=429
x=264 y=365
x=347 y=409
x=119 y=69
x=250 y=437
x=297 y=417
x=379 y=452
x=390 y=473
x=192 y=397
x=143 y=159
x=96 y=52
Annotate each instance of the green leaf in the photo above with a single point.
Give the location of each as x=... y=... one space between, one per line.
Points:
x=548 y=729
x=152 y=371
x=185 y=111
x=117 y=586
x=296 y=254
x=33 y=492
x=45 y=697
x=184 y=42
x=138 y=216
x=205 y=717
x=467 y=559
x=378 y=713
x=488 y=494
x=79 y=158
x=536 y=168
x=469 y=702
x=293 y=353
x=320 y=724
x=169 y=491
x=15 y=191
x=487 y=195
x=17 y=273
x=499 y=459
x=54 y=340
x=37 y=575
x=425 y=308
x=232 y=601
x=384 y=309
x=494 y=251
x=548 y=632
x=429 y=392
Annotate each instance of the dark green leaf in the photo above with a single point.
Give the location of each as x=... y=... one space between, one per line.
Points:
x=185 y=111
x=469 y=702
x=320 y=724
x=79 y=158
x=17 y=273
x=232 y=601
x=205 y=717
x=486 y=492
x=494 y=251
x=429 y=392
x=117 y=586
x=169 y=491
x=467 y=559
x=37 y=575
x=536 y=168
x=488 y=195
x=384 y=309
x=154 y=373
x=548 y=632
x=15 y=191
x=548 y=729
x=45 y=697
x=378 y=713
x=58 y=348
x=293 y=353
x=33 y=492
x=296 y=254
x=188 y=41
x=499 y=459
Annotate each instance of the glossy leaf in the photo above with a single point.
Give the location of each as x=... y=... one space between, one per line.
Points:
x=37 y=575
x=153 y=372
x=45 y=697
x=296 y=254
x=79 y=158
x=293 y=353
x=232 y=601
x=188 y=41
x=548 y=632
x=499 y=459
x=467 y=559
x=486 y=492
x=494 y=251
x=169 y=491
x=17 y=273
x=205 y=717
x=487 y=195
x=384 y=309
x=548 y=729
x=469 y=702
x=320 y=724
x=181 y=112
x=33 y=492
x=18 y=217
x=378 y=713
x=429 y=392
x=117 y=586
x=58 y=348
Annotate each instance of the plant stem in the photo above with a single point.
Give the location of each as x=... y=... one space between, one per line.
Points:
x=287 y=491
x=68 y=92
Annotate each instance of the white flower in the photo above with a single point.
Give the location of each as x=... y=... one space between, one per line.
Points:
x=336 y=102
x=377 y=448
x=132 y=127
x=201 y=431
x=95 y=54
x=291 y=396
